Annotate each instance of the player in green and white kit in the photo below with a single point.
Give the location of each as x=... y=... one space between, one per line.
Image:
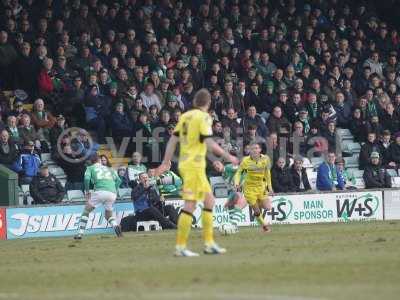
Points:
x=234 y=210
x=106 y=182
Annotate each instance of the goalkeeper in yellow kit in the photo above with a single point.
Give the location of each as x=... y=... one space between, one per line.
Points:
x=257 y=184
x=194 y=134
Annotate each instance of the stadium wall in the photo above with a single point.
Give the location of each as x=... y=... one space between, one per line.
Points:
x=346 y=206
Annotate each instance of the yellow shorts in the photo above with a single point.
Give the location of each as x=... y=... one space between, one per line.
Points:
x=254 y=194
x=195 y=184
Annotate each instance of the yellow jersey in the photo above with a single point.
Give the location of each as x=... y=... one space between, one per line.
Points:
x=257 y=172
x=193 y=127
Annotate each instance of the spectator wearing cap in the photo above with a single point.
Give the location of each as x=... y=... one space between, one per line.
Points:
x=27 y=164
x=329 y=178
x=172 y=104
x=393 y=153
x=299 y=175
x=8 y=150
x=18 y=110
x=371 y=145
x=56 y=131
x=375 y=175
x=45 y=188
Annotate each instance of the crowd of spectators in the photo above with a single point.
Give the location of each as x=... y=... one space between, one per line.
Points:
x=275 y=69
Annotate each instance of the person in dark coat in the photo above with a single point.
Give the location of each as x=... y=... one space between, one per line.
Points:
x=371 y=145
x=73 y=164
x=121 y=124
x=393 y=153
x=281 y=179
x=46 y=188
x=8 y=150
x=299 y=176
x=375 y=176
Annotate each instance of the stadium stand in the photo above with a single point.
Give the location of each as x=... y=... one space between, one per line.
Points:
x=317 y=60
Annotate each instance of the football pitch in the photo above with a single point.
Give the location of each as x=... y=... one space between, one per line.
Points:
x=328 y=261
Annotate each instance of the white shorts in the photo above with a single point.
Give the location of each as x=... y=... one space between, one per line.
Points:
x=102 y=197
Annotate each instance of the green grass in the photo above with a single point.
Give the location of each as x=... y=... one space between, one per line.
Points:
x=329 y=261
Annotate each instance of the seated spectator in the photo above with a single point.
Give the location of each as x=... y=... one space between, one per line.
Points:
x=135 y=167
x=149 y=205
x=28 y=133
x=299 y=176
x=251 y=118
x=18 y=110
x=13 y=130
x=42 y=119
x=348 y=176
x=328 y=176
x=393 y=153
x=371 y=145
x=384 y=144
x=45 y=188
x=375 y=176
x=280 y=177
x=83 y=144
x=121 y=124
x=56 y=131
x=74 y=167
x=27 y=165
x=358 y=126
x=122 y=173
x=8 y=150
x=150 y=97
x=330 y=135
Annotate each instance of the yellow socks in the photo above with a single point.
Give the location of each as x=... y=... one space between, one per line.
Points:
x=260 y=219
x=207 y=222
x=184 y=226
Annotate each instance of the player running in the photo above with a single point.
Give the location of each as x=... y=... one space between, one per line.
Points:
x=257 y=182
x=106 y=182
x=194 y=134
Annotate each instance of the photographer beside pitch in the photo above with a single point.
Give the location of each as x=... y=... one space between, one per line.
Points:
x=149 y=204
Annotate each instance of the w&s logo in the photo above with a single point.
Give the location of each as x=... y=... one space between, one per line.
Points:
x=361 y=207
